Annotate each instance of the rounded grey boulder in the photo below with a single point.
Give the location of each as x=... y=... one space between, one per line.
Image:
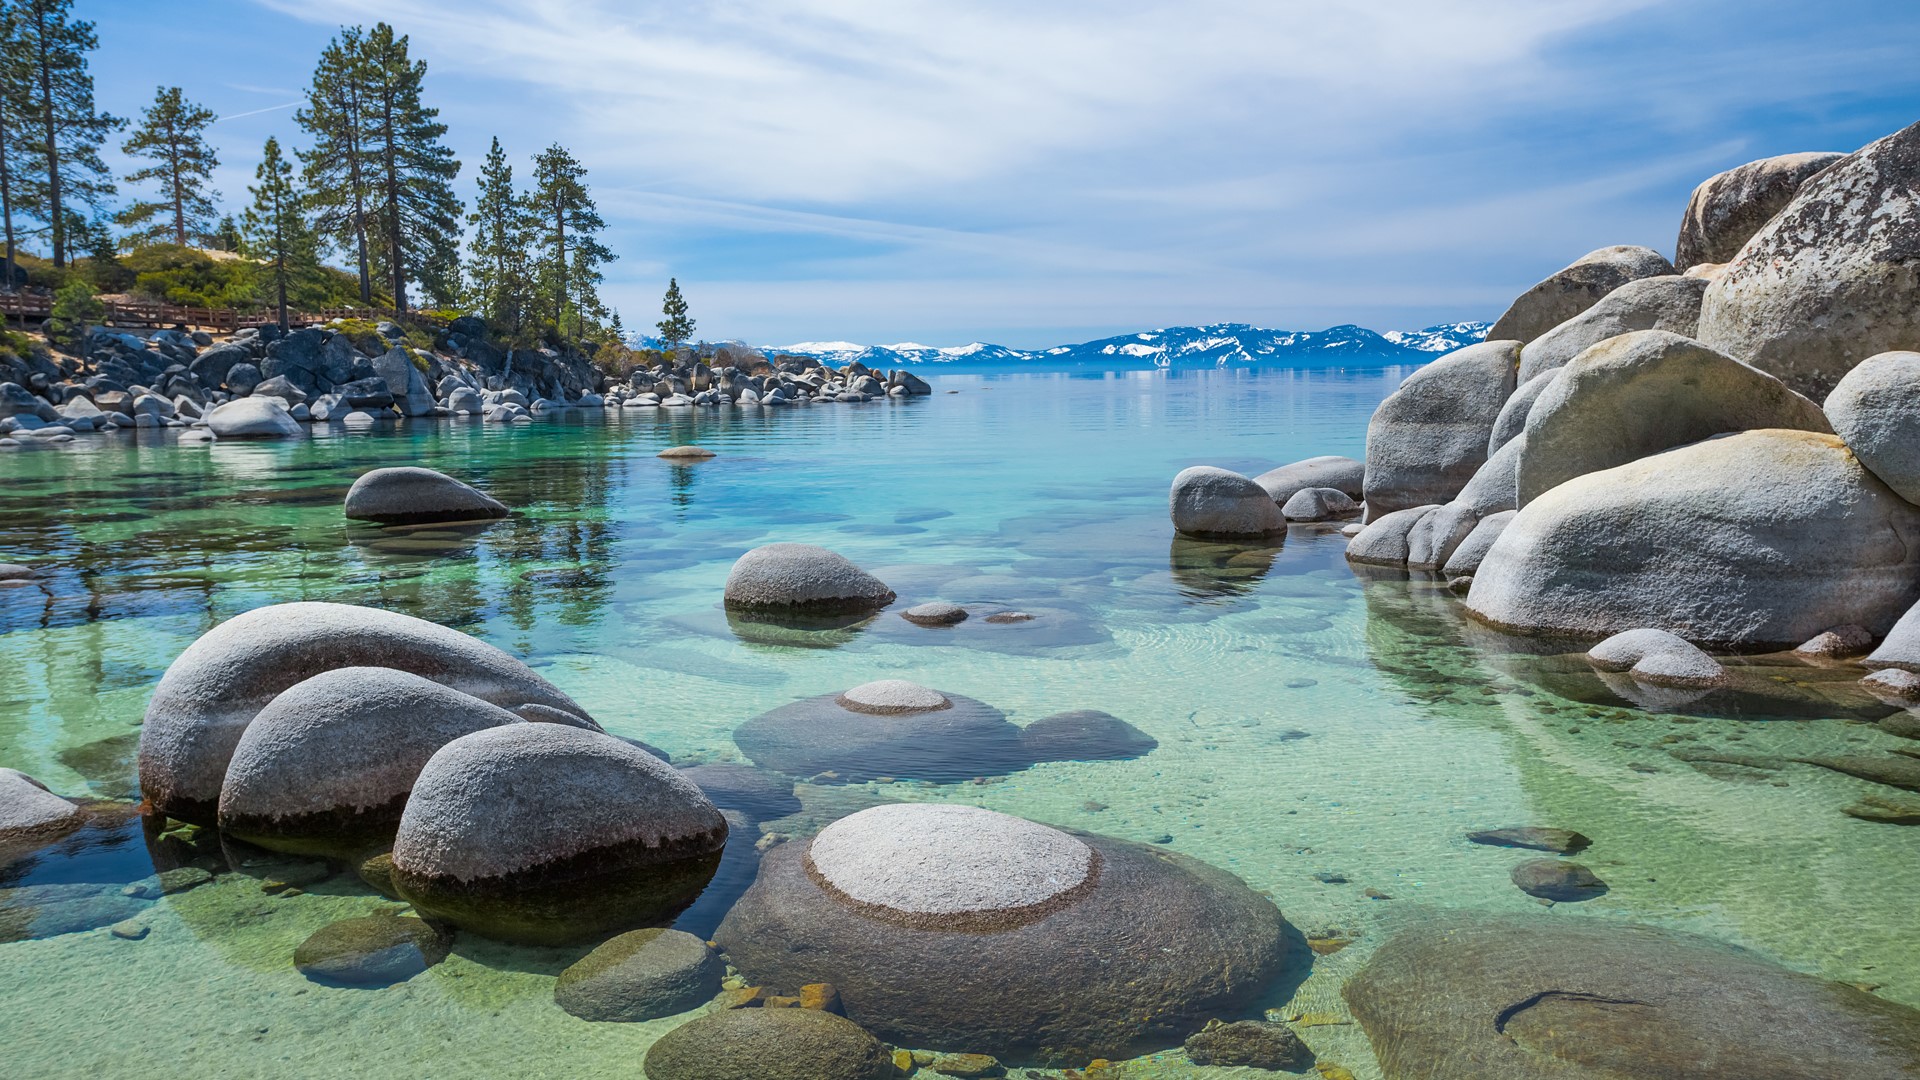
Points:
x=1385 y=541
x=547 y=834
x=262 y=417
x=373 y=951
x=897 y=906
x=935 y=614
x=1327 y=471
x=215 y=688
x=1727 y=209
x=1755 y=540
x=640 y=975
x=1592 y=999
x=889 y=728
x=28 y=809
x=769 y=1044
x=1876 y=409
x=1831 y=279
x=805 y=578
x=1669 y=303
x=1205 y=501
x=1574 y=289
x=326 y=767
x=1467 y=557
x=406 y=494
x=1318 y=504
x=1657 y=657
x=1512 y=421
x=1429 y=437
x=1640 y=393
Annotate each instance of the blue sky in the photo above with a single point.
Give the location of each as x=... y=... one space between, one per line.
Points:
x=1029 y=174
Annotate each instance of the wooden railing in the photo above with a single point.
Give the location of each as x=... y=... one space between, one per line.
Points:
x=31 y=305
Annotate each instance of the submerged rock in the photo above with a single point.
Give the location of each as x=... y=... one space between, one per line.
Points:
x=1557 y=880
x=377 y=950
x=888 y=728
x=804 y=578
x=1429 y=437
x=1255 y=1044
x=769 y=1044
x=899 y=904
x=407 y=495
x=640 y=975
x=754 y=792
x=1587 y=999
x=1727 y=209
x=1538 y=838
x=1085 y=735
x=547 y=834
x=213 y=690
x=1205 y=501
x=935 y=614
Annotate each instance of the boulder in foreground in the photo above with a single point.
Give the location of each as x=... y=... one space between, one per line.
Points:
x=1429 y=437
x=803 y=578
x=769 y=1044
x=1205 y=501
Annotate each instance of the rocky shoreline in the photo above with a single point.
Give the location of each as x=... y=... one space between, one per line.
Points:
x=259 y=383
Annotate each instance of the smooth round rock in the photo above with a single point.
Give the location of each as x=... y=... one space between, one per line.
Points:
x=1428 y=438
x=28 y=809
x=407 y=495
x=890 y=696
x=687 y=453
x=1147 y=947
x=803 y=577
x=640 y=975
x=1895 y=685
x=1727 y=209
x=327 y=766
x=1205 y=501
x=887 y=730
x=377 y=950
x=253 y=418
x=1343 y=474
x=546 y=834
x=1085 y=735
x=15 y=572
x=1559 y=998
x=1670 y=303
x=1657 y=657
x=935 y=614
x=1318 y=504
x=769 y=1044
x=1255 y=1044
x=948 y=866
x=1572 y=290
x=213 y=690
x=1536 y=837
x=1876 y=410
x=1557 y=880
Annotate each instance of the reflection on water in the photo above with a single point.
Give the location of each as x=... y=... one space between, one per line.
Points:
x=1328 y=736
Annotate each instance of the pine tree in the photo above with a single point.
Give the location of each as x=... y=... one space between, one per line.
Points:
x=337 y=168
x=497 y=268
x=226 y=235
x=67 y=132
x=567 y=224
x=277 y=231
x=173 y=136
x=416 y=215
x=676 y=328
x=16 y=151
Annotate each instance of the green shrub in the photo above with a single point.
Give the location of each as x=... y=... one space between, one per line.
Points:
x=75 y=307
x=172 y=274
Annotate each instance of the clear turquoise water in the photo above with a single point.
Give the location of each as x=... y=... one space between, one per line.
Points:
x=1311 y=721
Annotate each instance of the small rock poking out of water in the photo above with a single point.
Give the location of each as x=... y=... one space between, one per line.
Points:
x=1838 y=643
x=1556 y=880
x=802 y=578
x=1893 y=685
x=935 y=614
x=1254 y=1044
x=15 y=572
x=887 y=728
x=1003 y=618
x=408 y=495
x=1472 y=998
x=1319 y=504
x=641 y=975
x=1558 y=841
x=1657 y=657
x=686 y=453
x=374 y=951
x=769 y=1044
x=29 y=812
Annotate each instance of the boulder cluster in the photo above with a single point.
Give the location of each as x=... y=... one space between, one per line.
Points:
x=1720 y=451
x=261 y=383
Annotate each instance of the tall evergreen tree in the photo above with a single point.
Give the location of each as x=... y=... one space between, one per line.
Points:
x=568 y=225
x=16 y=148
x=675 y=327
x=67 y=131
x=416 y=215
x=172 y=135
x=497 y=268
x=277 y=231
x=337 y=169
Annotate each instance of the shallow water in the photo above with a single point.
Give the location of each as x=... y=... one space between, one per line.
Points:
x=1312 y=723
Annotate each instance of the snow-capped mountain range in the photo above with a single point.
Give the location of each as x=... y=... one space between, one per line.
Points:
x=1218 y=345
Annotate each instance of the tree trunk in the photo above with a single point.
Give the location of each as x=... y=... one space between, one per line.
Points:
x=560 y=264
x=280 y=258
x=6 y=192
x=56 y=220
x=179 y=200
x=394 y=245
x=357 y=177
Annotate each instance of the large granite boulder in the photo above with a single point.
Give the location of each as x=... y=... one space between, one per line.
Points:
x=1466 y=558
x=955 y=926
x=211 y=367
x=1512 y=421
x=803 y=578
x=213 y=690
x=769 y=1044
x=1759 y=539
x=1496 y=486
x=886 y=728
x=407 y=494
x=1727 y=209
x=1574 y=289
x=1385 y=540
x=1670 y=303
x=1832 y=279
x=547 y=834
x=325 y=768
x=1588 y=999
x=641 y=975
x=1876 y=409
x=1431 y=435
x=404 y=381
x=1641 y=393
x=1205 y=501
x=250 y=417
x=1327 y=471
x=1901 y=647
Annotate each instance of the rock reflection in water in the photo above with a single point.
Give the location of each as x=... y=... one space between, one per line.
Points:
x=1211 y=570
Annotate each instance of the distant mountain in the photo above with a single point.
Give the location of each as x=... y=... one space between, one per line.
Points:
x=1218 y=345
